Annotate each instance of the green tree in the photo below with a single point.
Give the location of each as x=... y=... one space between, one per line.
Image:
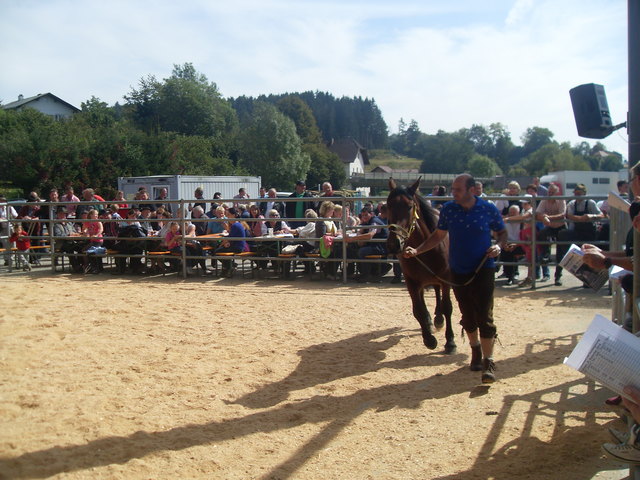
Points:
x=271 y=148
x=483 y=167
x=185 y=103
x=297 y=110
x=325 y=166
x=444 y=152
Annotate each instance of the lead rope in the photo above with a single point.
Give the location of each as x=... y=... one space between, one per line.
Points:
x=415 y=217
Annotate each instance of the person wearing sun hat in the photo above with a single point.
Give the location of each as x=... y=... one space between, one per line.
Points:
x=581 y=213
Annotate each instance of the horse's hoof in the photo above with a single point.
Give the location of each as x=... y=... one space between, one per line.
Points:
x=450 y=349
x=430 y=341
x=438 y=322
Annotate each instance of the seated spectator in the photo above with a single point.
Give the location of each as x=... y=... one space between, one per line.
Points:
x=274 y=222
x=237 y=245
x=110 y=227
x=324 y=229
x=258 y=226
x=70 y=197
x=124 y=245
x=121 y=203
x=214 y=227
x=64 y=228
x=199 y=220
x=194 y=249
x=366 y=246
x=93 y=230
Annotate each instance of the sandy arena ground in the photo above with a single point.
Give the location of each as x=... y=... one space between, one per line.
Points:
x=106 y=377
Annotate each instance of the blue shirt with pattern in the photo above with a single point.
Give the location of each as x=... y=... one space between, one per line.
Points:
x=469 y=233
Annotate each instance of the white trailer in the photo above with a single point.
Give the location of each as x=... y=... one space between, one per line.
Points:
x=182 y=187
x=597 y=183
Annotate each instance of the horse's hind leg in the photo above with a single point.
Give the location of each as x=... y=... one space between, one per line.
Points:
x=450 y=345
x=421 y=314
x=439 y=317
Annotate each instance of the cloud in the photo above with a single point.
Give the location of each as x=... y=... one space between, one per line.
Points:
x=445 y=64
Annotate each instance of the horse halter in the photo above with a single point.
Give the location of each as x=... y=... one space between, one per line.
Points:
x=402 y=233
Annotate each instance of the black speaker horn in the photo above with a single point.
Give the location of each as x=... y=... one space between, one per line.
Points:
x=591 y=111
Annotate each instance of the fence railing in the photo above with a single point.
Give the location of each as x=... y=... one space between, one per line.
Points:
x=42 y=229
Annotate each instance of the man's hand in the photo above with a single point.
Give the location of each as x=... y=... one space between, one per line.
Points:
x=633 y=406
x=594 y=259
x=409 y=252
x=493 y=251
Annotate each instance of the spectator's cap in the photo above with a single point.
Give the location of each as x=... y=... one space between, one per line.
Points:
x=634 y=209
x=145 y=207
x=61 y=209
x=301 y=182
x=527 y=199
x=580 y=187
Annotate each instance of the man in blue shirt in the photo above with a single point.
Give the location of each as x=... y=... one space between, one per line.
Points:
x=470 y=221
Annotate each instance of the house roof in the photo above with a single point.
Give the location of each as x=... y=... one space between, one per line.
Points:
x=382 y=169
x=25 y=101
x=347 y=149
x=386 y=169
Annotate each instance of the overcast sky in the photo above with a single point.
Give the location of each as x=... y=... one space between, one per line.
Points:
x=448 y=64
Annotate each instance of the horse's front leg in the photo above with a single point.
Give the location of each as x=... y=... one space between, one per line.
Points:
x=447 y=307
x=439 y=317
x=421 y=313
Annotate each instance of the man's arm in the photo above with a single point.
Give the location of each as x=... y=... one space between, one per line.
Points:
x=434 y=239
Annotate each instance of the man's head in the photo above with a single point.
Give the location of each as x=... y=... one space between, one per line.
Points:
x=301 y=186
x=61 y=212
x=463 y=188
x=53 y=195
x=365 y=214
x=479 y=188
x=233 y=212
x=580 y=189
x=553 y=189
x=327 y=189
x=87 y=194
x=272 y=193
x=623 y=187
x=163 y=193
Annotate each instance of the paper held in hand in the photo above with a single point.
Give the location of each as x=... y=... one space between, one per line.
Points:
x=573 y=263
x=608 y=354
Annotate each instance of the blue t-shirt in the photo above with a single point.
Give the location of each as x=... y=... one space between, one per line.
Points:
x=469 y=233
x=237 y=230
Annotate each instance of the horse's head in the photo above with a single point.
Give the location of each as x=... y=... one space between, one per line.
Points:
x=401 y=212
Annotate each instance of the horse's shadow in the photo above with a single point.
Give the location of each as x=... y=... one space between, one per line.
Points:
x=326 y=362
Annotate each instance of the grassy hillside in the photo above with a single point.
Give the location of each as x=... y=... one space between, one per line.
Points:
x=391 y=159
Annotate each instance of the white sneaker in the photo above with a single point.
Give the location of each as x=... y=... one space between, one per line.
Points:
x=624 y=452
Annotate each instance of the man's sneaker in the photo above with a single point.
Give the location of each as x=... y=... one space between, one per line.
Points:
x=618 y=435
x=476 y=359
x=623 y=452
x=488 y=371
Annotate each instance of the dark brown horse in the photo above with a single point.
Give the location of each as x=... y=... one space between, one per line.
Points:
x=411 y=221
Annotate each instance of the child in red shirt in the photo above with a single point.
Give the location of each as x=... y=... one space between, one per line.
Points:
x=23 y=244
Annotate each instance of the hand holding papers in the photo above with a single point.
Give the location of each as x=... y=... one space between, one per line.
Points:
x=574 y=264
x=609 y=355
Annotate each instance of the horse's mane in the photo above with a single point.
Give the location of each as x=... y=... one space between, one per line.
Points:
x=429 y=215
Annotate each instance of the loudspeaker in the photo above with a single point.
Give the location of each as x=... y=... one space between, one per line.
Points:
x=591 y=111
